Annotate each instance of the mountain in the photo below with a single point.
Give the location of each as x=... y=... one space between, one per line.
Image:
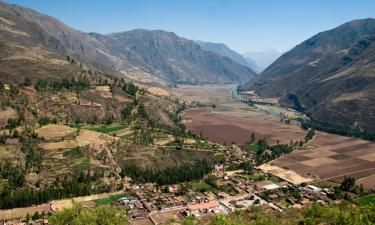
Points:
x=140 y=55
x=224 y=50
x=179 y=59
x=262 y=58
x=331 y=76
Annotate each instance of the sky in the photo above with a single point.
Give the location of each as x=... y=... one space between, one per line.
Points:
x=243 y=25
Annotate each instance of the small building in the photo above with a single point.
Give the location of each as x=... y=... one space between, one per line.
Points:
x=314 y=188
x=271 y=187
x=197 y=209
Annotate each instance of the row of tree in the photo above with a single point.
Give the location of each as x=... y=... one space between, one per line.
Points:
x=336 y=129
x=63 y=84
x=169 y=175
x=79 y=184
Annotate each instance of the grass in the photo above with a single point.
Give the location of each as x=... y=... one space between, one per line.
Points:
x=257 y=177
x=201 y=186
x=366 y=200
x=101 y=128
x=109 y=128
x=283 y=204
x=252 y=147
x=201 y=144
x=229 y=189
x=109 y=200
x=76 y=153
x=276 y=180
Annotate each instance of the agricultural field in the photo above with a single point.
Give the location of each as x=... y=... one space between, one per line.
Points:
x=367 y=182
x=366 y=200
x=5 y=115
x=112 y=128
x=205 y=94
x=332 y=157
x=109 y=200
x=226 y=128
x=55 y=131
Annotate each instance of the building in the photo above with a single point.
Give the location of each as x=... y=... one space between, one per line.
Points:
x=202 y=208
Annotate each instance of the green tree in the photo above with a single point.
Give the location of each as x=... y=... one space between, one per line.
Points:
x=102 y=215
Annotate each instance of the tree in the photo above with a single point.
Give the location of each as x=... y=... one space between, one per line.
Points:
x=27 y=81
x=252 y=139
x=102 y=215
x=348 y=184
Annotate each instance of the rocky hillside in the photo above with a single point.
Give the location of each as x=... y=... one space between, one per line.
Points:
x=331 y=76
x=141 y=55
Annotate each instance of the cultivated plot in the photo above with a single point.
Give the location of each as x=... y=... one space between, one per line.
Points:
x=332 y=157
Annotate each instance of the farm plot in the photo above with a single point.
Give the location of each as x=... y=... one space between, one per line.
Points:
x=332 y=157
x=5 y=115
x=55 y=131
x=228 y=127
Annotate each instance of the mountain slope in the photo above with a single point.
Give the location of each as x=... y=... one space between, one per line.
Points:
x=223 y=50
x=331 y=76
x=179 y=59
x=149 y=56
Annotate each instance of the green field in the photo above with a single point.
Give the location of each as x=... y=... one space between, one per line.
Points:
x=101 y=128
x=366 y=200
x=252 y=147
x=111 y=199
x=74 y=153
x=202 y=144
x=283 y=204
x=257 y=177
x=201 y=186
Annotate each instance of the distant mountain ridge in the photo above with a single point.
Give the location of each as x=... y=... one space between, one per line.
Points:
x=262 y=58
x=223 y=50
x=142 y=55
x=331 y=76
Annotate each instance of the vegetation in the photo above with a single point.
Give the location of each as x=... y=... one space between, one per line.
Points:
x=102 y=128
x=336 y=129
x=170 y=175
x=103 y=215
x=336 y=214
x=109 y=200
x=366 y=200
x=267 y=153
x=78 y=184
x=64 y=84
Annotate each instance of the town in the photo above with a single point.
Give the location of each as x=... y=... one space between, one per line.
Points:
x=226 y=189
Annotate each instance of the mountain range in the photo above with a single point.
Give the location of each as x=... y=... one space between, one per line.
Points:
x=141 y=55
x=262 y=58
x=331 y=76
x=223 y=50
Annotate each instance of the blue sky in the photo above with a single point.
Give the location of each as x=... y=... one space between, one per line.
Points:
x=243 y=25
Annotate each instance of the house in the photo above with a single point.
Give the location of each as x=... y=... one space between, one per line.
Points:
x=172 y=189
x=314 y=188
x=197 y=209
x=271 y=187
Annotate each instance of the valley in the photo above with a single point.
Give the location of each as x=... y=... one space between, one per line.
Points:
x=146 y=127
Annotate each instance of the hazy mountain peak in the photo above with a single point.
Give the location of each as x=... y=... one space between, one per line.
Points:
x=224 y=50
x=264 y=57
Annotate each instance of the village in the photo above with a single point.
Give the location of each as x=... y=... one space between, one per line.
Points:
x=223 y=191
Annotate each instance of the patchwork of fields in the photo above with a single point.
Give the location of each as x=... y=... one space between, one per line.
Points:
x=223 y=128
x=332 y=157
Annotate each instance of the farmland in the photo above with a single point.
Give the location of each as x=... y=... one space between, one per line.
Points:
x=327 y=157
x=332 y=157
x=226 y=128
